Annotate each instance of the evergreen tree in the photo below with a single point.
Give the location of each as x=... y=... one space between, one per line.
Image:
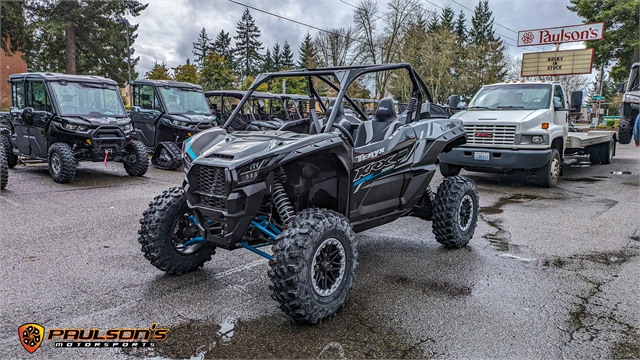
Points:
x=201 y=47
x=446 y=19
x=307 y=53
x=276 y=56
x=248 y=46
x=461 y=27
x=158 y=72
x=267 y=63
x=287 y=56
x=12 y=27
x=619 y=47
x=81 y=36
x=433 y=25
x=186 y=73
x=482 y=24
x=222 y=45
x=217 y=72
x=488 y=55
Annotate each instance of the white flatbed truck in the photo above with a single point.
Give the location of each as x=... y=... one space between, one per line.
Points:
x=524 y=126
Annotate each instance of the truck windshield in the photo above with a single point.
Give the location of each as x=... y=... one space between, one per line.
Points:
x=87 y=99
x=184 y=101
x=509 y=97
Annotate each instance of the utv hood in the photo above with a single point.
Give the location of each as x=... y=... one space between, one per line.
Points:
x=95 y=121
x=192 y=118
x=214 y=145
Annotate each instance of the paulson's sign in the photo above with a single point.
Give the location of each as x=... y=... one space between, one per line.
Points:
x=559 y=35
x=552 y=63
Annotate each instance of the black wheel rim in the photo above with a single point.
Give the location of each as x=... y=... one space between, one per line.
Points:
x=329 y=265
x=55 y=163
x=465 y=212
x=184 y=224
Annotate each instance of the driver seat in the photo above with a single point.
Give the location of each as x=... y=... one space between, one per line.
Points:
x=340 y=118
x=381 y=127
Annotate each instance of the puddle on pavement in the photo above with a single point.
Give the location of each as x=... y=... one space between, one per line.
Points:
x=621 y=172
x=490 y=210
x=583 y=180
x=581 y=164
x=353 y=333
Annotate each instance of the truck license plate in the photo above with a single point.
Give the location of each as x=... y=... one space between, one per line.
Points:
x=478 y=155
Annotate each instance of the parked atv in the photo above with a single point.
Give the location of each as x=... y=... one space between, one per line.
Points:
x=308 y=195
x=164 y=114
x=63 y=119
x=630 y=105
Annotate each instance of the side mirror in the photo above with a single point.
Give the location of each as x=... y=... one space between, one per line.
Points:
x=576 y=101
x=135 y=109
x=621 y=87
x=454 y=100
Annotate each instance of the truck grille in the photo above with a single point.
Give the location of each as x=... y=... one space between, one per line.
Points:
x=490 y=134
x=210 y=187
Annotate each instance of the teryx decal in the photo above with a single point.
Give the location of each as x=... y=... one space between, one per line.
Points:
x=373 y=170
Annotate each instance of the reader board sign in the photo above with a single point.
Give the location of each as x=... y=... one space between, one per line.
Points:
x=552 y=63
x=559 y=35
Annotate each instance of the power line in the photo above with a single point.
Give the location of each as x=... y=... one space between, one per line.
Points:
x=504 y=27
x=295 y=21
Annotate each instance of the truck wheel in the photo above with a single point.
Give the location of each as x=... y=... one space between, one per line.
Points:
x=167 y=156
x=136 y=160
x=62 y=163
x=4 y=169
x=12 y=159
x=625 y=129
x=166 y=228
x=607 y=151
x=448 y=170
x=547 y=176
x=456 y=212
x=314 y=264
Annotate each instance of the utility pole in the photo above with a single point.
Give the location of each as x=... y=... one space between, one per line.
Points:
x=126 y=23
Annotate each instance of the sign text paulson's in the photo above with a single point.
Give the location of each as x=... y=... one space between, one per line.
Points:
x=563 y=34
x=551 y=63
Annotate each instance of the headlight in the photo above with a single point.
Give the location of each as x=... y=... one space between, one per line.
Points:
x=127 y=128
x=537 y=139
x=70 y=126
x=186 y=160
x=630 y=97
x=250 y=172
x=179 y=123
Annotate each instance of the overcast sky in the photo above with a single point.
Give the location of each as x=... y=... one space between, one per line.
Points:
x=168 y=28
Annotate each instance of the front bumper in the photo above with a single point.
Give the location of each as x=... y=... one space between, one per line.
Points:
x=504 y=159
x=224 y=214
x=109 y=139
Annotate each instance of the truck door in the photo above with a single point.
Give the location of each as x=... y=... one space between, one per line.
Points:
x=560 y=106
x=38 y=118
x=18 y=90
x=146 y=114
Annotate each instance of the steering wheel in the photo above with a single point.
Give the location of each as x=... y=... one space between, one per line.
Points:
x=344 y=132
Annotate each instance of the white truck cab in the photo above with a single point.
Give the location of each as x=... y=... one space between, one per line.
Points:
x=523 y=126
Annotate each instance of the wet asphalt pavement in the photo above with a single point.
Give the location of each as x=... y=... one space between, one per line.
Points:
x=550 y=273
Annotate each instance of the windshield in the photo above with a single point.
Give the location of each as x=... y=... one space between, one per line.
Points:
x=516 y=96
x=88 y=99
x=185 y=101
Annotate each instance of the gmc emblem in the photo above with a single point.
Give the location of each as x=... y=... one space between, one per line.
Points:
x=483 y=134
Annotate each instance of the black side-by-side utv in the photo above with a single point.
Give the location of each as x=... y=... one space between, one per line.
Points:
x=164 y=114
x=63 y=119
x=307 y=194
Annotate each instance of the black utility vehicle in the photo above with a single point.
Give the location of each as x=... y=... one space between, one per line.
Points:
x=164 y=114
x=263 y=111
x=63 y=119
x=307 y=195
x=630 y=105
